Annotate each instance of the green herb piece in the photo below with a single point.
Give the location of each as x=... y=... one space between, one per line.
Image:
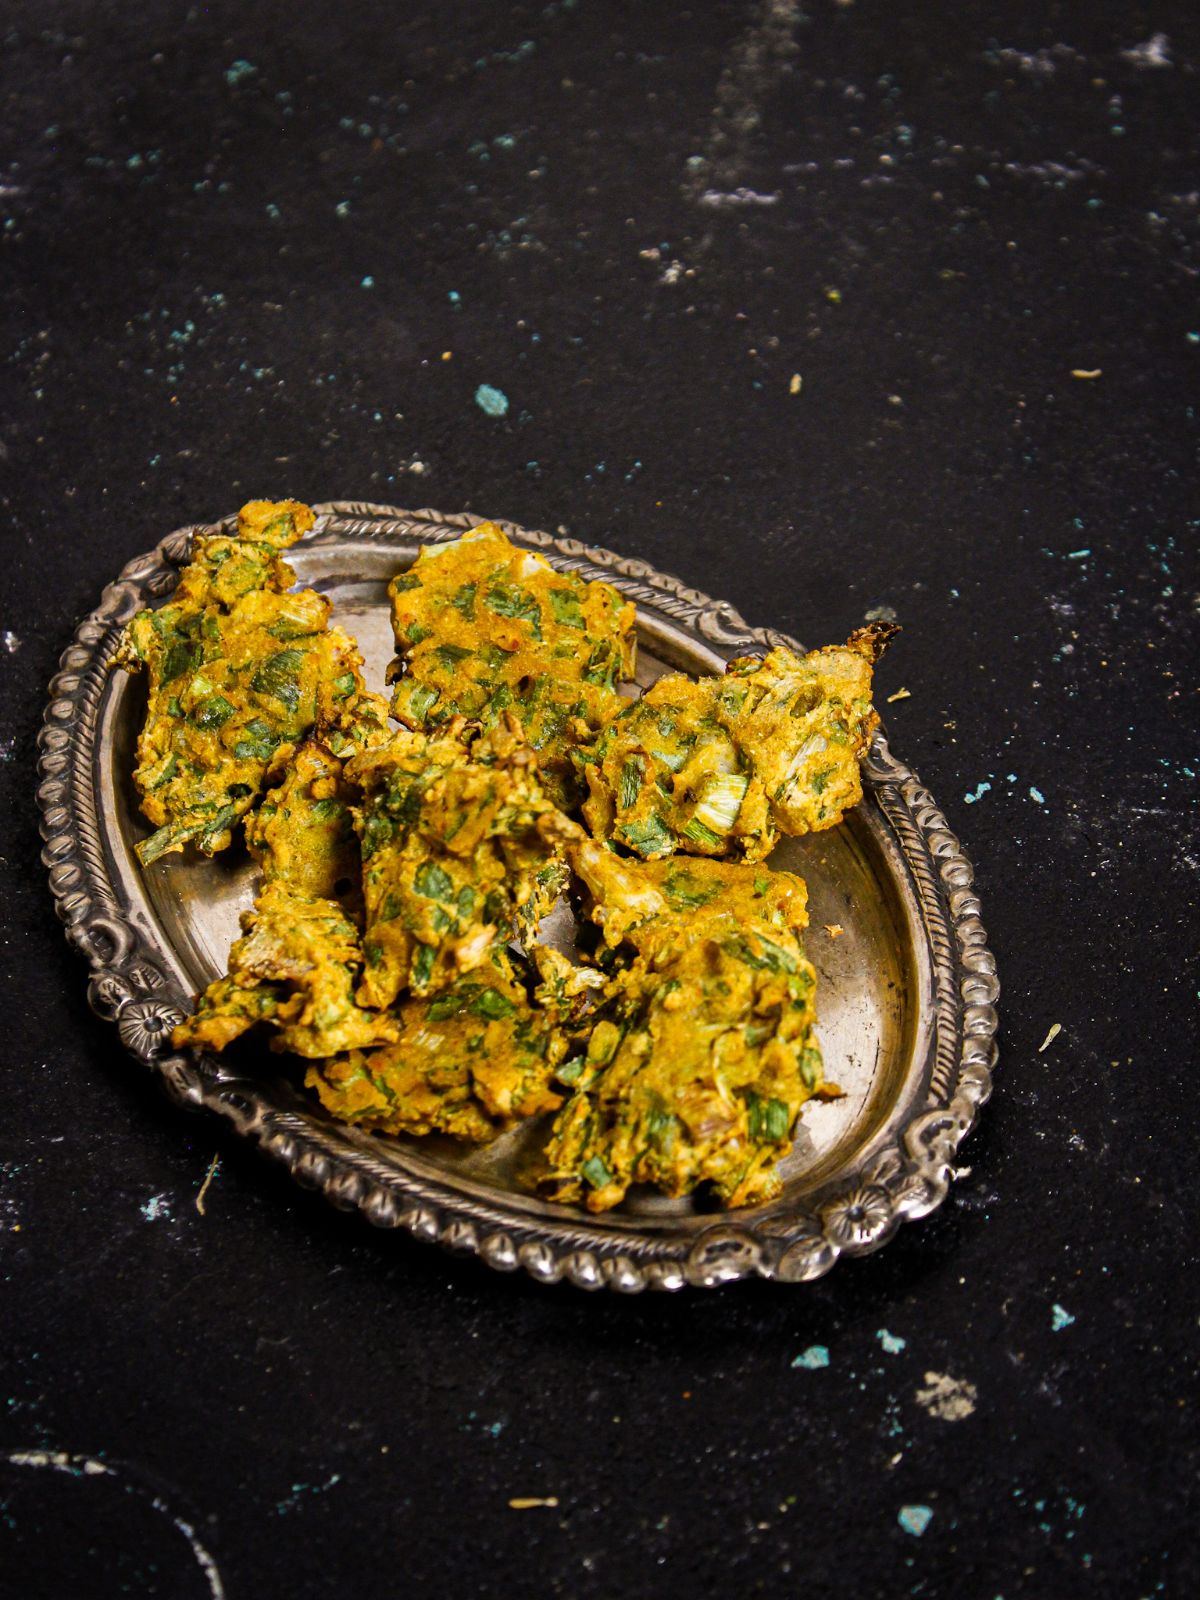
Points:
x=650 y=838
x=258 y=742
x=699 y=834
x=277 y=677
x=567 y=609
x=463 y=600
x=421 y=701
x=595 y=1173
x=422 y=966
x=181 y=659
x=451 y=654
x=212 y=712
x=632 y=774
x=434 y=881
x=768 y=1120
x=491 y=1003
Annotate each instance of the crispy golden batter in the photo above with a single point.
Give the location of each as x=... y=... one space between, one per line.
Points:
x=486 y=629
x=453 y=858
x=240 y=670
x=705 y=1055
x=470 y=1063
x=724 y=766
x=294 y=969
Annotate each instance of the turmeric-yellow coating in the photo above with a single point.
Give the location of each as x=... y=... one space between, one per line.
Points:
x=488 y=630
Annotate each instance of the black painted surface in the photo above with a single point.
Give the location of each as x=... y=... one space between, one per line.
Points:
x=236 y=242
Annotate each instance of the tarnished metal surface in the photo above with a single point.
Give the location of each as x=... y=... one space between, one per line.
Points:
x=905 y=1000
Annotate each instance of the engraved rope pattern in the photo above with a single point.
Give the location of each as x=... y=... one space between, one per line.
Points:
x=908 y=1179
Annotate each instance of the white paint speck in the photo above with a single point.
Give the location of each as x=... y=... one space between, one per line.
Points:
x=949 y=1399
x=720 y=199
x=10 y=642
x=1152 y=52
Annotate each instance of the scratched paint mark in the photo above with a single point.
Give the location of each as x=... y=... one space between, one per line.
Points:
x=299 y=1490
x=949 y=1399
x=756 y=65
x=914 y=1519
x=1060 y=1318
x=492 y=401
x=79 y=1466
x=891 y=1342
x=814 y=1358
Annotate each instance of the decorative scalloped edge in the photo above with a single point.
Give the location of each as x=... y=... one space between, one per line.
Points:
x=908 y=1179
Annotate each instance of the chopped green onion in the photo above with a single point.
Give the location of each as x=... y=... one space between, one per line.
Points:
x=632 y=774
x=649 y=838
x=721 y=801
x=277 y=677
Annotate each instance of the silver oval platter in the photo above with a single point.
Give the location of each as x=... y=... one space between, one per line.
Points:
x=906 y=992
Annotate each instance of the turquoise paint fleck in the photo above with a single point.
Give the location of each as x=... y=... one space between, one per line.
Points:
x=239 y=72
x=915 y=1519
x=814 y=1358
x=1078 y=555
x=493 y=401
x=1036 y=794
x=891 y=1342
x=368 y=282
x=980 y=790
x=1060 y=1318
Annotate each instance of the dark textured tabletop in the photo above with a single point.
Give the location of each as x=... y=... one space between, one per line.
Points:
x=826 y=308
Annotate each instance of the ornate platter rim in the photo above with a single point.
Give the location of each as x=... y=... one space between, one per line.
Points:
x=900 y=1177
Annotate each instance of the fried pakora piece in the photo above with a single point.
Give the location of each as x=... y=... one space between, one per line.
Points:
x=303 y=831
x=705 y=1055
x=722 y=767
x=240 y=669
x=300 y=960
x=470 y=1062
x=295 y=969
x=486 y=629
x=458 y=855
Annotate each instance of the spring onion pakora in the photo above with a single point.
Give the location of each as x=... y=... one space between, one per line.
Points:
x=705 y=1052
x=239 y=669
x=455 y=858
x=724 y=766
x=406 y=874
x=300 y=959
x=470 y=1062
x=487 y=630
